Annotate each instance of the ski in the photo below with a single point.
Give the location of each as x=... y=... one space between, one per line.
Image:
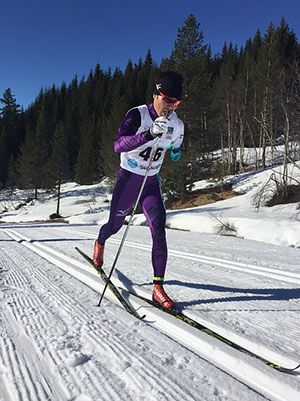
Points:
x=181 y=316
x=111 y=286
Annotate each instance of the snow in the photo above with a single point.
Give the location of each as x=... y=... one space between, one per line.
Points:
x=55 y=344
x=278 y=225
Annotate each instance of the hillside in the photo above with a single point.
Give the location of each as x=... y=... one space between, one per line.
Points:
x=236 y=215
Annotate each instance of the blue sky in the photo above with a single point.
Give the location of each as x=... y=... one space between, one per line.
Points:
x=45 y=42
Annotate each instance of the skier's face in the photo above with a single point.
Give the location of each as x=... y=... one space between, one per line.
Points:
x=163 y=104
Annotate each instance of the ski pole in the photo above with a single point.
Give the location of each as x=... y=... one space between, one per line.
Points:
x=131 y=217
x=129 y=223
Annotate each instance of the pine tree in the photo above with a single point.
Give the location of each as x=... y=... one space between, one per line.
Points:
x=43 y=137
x=72 y=123
x=130 y=79
x=115 y=106
x=10 y=133
x=268 y=68
x=58 y=163
x=12 y=174
x=99 y=91
x=110 y=126
x=190 y=59
x=28 y=164
x=3 y=158
x=226 y=103
x=87 y=161
x=144 y=70
x=86 y=98
x=288 y=46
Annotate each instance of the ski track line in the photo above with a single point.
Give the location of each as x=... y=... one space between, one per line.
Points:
x=68 y=306
x=28 y=375
x=27 y=365
x=276 y=274
x=279 y=356
x=24 y=348
x=104 y=384
x=32 y=380
x=149 y=372
x=211 y=350
x=150 y=380
x=41 y=326
x=176 y=393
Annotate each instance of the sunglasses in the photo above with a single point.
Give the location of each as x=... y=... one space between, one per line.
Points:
x=170 y=100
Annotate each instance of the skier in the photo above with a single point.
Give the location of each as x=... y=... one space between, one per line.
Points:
x=137 y=136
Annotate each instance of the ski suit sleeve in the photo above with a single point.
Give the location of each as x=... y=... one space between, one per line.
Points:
x=127 y=139
x=176 y=146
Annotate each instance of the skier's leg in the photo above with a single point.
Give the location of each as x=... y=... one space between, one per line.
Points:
x=154 y=210
x=124 y=195
x=121 y=203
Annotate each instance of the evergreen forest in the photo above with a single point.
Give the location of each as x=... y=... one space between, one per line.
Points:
x=241 y=97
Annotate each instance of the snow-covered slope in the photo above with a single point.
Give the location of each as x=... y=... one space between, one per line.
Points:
x=55 y=344
x=279 y=225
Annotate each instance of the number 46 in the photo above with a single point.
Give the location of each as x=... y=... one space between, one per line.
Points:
x=145 y=154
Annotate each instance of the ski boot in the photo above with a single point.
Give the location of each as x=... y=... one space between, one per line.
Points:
x=160 y=297
x=98 y=255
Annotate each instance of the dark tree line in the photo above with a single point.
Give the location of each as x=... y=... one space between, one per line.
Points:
x=247 y=97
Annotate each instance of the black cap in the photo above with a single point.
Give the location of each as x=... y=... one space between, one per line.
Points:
x=169 y=83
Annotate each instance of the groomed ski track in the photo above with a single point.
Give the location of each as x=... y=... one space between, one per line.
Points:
x=25 y=354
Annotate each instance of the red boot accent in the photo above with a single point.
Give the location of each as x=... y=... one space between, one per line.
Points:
x=98 y=254
x=160 y=297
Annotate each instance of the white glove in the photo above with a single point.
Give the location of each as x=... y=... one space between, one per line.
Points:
x=159 y=127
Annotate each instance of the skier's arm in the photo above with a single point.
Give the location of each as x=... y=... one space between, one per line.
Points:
x=127 y=139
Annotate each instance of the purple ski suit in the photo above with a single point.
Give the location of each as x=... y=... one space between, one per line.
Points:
x=132 y=139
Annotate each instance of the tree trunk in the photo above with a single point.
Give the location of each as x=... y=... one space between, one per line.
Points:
x=58 y=197
x=229 y=136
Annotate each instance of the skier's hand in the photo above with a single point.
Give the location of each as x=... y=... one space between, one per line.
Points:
x=176 y=154
x=159 y=127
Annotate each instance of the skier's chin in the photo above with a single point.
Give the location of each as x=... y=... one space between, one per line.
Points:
x=165 y=112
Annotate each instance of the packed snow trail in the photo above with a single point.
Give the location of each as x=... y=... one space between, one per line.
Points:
x=240 y=303
x=50 y=300
x=102 y=356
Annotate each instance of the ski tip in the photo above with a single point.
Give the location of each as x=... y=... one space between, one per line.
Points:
x=293 y=371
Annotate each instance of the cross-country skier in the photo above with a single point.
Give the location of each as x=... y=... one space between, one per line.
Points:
x=137 y=136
